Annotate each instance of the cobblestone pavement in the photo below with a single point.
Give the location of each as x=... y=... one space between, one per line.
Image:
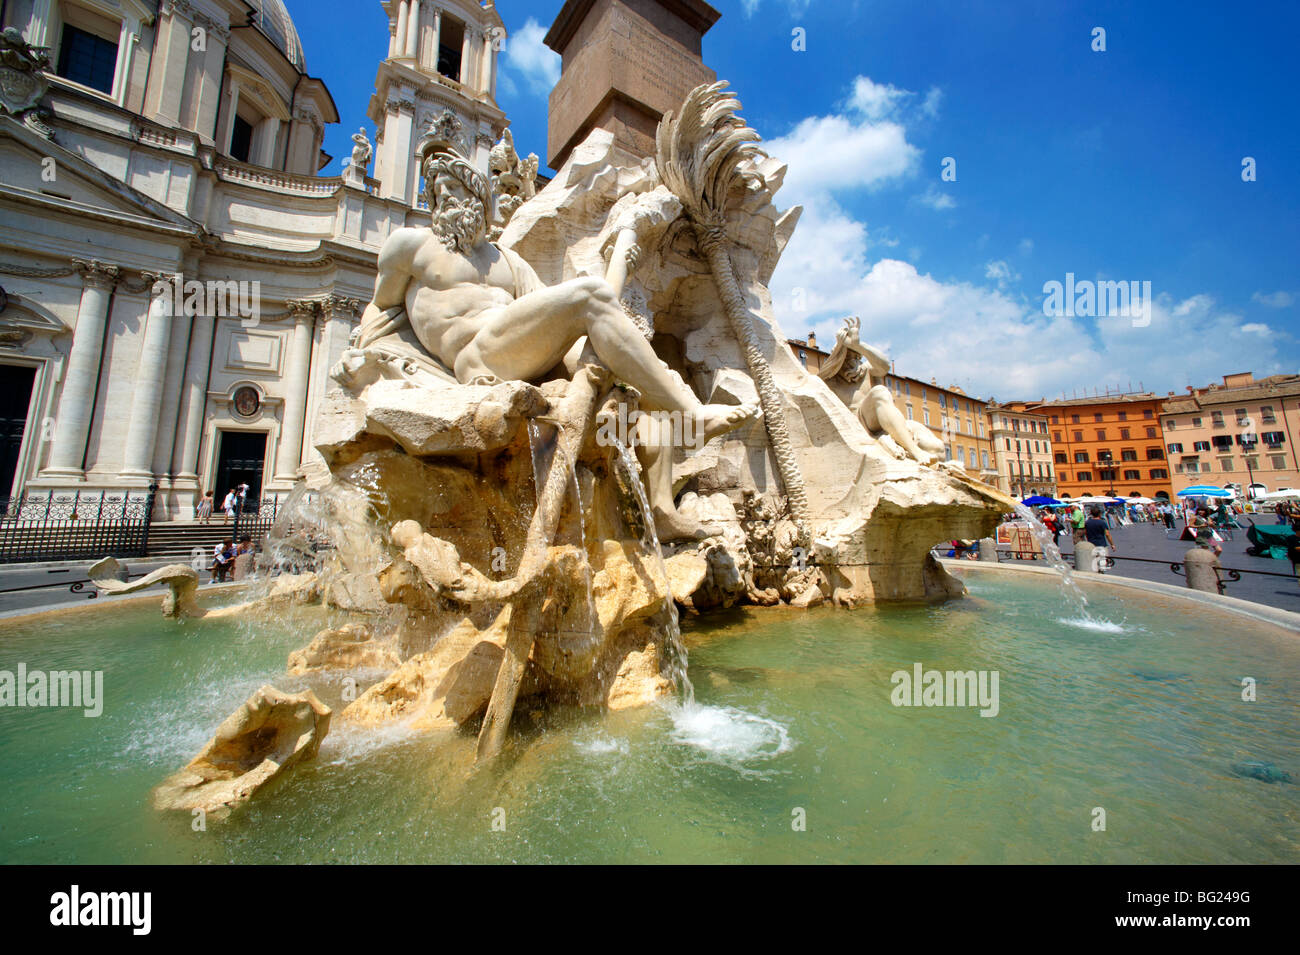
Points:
x=1153 y=542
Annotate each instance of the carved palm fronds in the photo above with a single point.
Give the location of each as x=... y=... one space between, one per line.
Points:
x=700 y=154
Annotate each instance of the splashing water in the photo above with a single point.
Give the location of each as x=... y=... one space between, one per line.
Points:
x=1069 y=586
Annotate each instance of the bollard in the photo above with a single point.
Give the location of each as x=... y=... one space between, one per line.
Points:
x=989 y=549
x=1083 y=557
x=1201 y=565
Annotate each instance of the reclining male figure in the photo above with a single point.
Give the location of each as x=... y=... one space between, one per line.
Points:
x=485 y=314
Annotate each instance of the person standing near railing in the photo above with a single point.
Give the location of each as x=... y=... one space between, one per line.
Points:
x=1097 y=532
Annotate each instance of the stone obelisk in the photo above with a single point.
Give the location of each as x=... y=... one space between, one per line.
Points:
x=625 y=63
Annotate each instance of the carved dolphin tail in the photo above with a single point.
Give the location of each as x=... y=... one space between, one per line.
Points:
x=700 y=152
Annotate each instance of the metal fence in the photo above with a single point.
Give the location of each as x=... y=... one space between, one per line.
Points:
x=75 y=526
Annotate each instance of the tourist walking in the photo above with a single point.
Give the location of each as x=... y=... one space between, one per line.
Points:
x=204 y=513
x=1097 y=533
x=228 y=505
x=1203 y=530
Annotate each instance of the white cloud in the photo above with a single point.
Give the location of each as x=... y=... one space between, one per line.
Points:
x=1255 y=328
x=933 y=99
x=795 y=6
x=1274 y=299
x=1026 y=246
x=527 y=55
x=876 y=101
x=1001 y=273
x=936 y=199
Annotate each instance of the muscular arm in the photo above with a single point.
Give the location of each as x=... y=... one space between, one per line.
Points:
x=395 y=267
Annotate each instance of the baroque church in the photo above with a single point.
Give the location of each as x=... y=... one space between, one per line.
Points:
x=152 y=148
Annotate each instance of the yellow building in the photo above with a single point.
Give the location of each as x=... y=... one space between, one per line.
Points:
x=1022 y=448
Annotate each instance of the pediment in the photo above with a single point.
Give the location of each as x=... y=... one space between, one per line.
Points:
x=45 y=173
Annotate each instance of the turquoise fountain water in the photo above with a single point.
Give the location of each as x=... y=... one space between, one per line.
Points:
x=794 y=716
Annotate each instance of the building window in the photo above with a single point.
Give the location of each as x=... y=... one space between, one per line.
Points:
x=984 y=460
x=1124 y=434
x=1055 y=420
x=87 y=59
x=910 y=416
x=1132 y=475
x=1061 y=458
x=1123 y=416
x=1266 y=414
x=1216 y=418
x=1101 y=434
x=1171 y=424
x=1201 y=445
x=1154 y=454
x=1078 y=436
x=1128 y=454
x=451 y=39
x=1273 y=438
x=1196 y=422
x=1074 y=419
x=1151 y=432
x=1175 y=449
x=1225 y=464
x=1148 y=413
x=1083 y=476
x=241 y=140
x=1098 y=417
x=1056 y=436
x=1243 y=418
x=803 y=358
x=1279 y=461
x=926 y=413
x=1159 y=474
x=1080 y=457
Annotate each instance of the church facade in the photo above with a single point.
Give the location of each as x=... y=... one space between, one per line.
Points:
x=178 y=273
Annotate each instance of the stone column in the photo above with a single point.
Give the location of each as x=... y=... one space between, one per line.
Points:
x=1083 y=552
x=72 y=428
x=485 y=68
x=1201 y=565
x=465 y=48
x=194 y=399
x=403 y=25
x=437 y=39
x=288 y=457
x=413 y=30
x=150 y=371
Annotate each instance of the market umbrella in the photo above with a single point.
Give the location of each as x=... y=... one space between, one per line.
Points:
x=1204 y=490
x=1290 y=494
x=1139 y=500
x=1039 y=501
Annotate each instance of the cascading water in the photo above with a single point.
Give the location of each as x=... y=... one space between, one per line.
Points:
x=1069 y=586
x=723 y=735
x=674 y=649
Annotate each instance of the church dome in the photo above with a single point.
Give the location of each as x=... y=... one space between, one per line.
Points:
x=273 y=19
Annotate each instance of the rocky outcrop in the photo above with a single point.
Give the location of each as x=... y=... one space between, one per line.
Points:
x=265 y=737
x=351 y=647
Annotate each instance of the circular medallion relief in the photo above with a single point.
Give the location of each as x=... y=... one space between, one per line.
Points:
x=247 y=402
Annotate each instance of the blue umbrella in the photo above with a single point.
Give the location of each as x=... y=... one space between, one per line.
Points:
x=1039 y=501
x=1204 y=490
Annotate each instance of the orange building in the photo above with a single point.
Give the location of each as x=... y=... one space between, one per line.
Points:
x=1108 y=445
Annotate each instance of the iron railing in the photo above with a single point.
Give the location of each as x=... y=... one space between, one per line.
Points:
x=75 y=526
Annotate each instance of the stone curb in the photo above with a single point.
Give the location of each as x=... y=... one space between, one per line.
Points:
x=1262 y=612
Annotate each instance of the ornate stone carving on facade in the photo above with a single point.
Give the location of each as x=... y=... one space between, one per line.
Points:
x=446 y=133
x=23 y=81
x=97 y=274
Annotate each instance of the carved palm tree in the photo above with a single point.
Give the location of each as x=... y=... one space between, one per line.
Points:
x=700 y=153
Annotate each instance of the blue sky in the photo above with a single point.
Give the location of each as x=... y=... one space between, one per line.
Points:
x=1117 y=165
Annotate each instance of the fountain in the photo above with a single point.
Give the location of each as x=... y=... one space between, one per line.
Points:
x=502 y=602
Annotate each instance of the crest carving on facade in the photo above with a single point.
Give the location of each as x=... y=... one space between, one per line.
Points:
x=22 y=79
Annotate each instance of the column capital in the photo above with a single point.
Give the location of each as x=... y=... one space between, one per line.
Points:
x=333 y=305
x=303 y=309
x=97 y=274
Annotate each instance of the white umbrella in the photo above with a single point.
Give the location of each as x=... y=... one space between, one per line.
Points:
x=1138 y=500
x=1291 y=494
